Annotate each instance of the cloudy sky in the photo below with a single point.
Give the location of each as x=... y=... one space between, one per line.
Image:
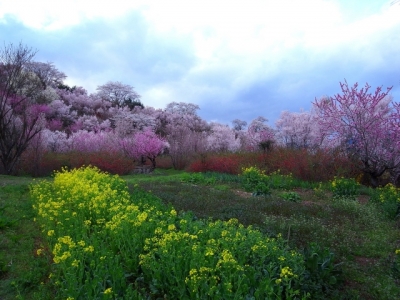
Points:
x=235 y=59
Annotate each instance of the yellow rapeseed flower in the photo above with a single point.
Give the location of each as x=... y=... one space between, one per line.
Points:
x=75 y=263
x=286 y=272
x=89 y=249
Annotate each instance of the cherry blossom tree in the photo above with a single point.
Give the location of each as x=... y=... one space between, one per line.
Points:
x=260 y=135
x=184 y=130
x=119 y=94
x=127 y=122
x=60 y=115
x=90 y=141
x=47 y=73
x=55 y=141
x=299 y=130
x=364 y=125
x=239 y=125
x=222 y=139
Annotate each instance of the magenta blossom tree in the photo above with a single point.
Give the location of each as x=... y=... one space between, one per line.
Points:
x=361 y=123
x=150 y=145
x=144 y=144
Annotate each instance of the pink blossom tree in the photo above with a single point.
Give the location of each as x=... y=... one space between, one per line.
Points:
x=362 y=123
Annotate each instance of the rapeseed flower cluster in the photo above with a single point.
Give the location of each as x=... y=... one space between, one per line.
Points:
x=345 y=188
x=255 y=181
x=218 y=258
x=99 y=234
x=388 y=198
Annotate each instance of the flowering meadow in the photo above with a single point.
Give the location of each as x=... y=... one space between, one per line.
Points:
x=108 y=243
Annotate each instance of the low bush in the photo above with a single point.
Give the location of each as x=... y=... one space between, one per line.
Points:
x=323 y=272
x=291 y=196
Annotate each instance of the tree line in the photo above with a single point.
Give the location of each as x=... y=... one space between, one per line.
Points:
x=38 y=111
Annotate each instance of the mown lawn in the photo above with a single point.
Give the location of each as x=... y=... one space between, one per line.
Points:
x=362 y=239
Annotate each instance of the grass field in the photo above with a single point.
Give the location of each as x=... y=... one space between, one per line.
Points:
x=358 y=234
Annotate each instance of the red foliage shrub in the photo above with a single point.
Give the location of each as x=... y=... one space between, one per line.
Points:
x=318 y=166
x=41 y=165
x=164 y=162
x=113 y=163
x=230 y=163
x=48 y=162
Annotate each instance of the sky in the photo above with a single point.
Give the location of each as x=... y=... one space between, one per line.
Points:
x=235 y=59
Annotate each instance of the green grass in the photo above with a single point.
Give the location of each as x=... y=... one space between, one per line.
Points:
x=359 y=235
x=22 y=273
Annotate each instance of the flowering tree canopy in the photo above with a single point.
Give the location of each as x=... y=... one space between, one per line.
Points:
x=362 y=123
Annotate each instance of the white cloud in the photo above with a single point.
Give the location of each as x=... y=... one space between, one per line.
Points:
x=55 y=15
